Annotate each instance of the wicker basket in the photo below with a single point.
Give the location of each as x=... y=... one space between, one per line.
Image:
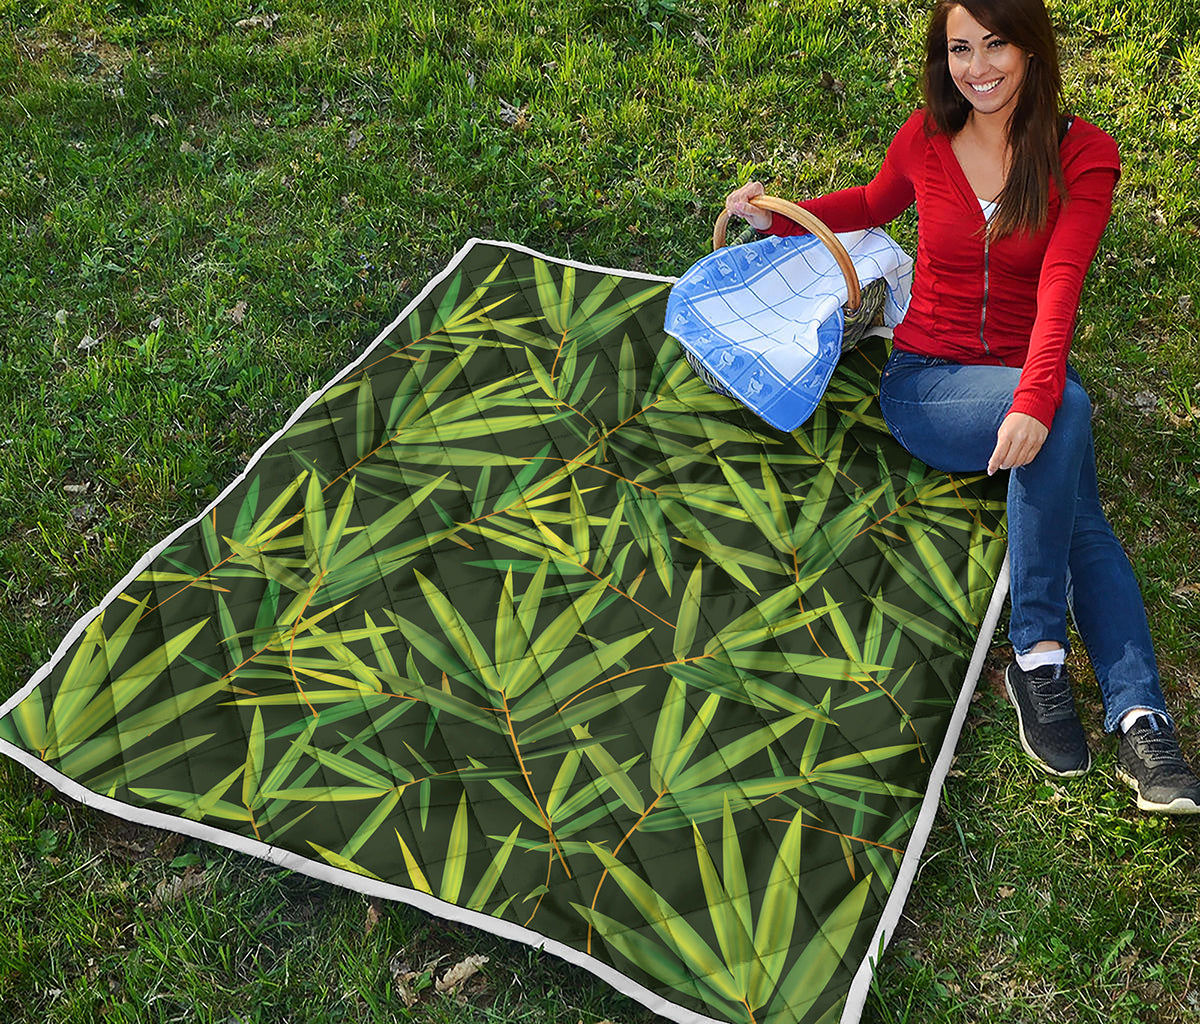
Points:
x=862 y=308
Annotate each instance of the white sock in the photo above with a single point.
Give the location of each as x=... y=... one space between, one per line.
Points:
x=1036 y=659
x=1130 y=717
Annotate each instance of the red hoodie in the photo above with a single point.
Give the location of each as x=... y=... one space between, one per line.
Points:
x=1010 y=301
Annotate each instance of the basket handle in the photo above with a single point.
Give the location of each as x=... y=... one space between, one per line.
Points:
x=806 y=220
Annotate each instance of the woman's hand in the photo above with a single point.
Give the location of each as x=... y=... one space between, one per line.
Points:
x=737 y=204
x=1018 y=440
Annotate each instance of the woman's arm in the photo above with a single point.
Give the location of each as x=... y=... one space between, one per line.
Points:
x=1072 y=247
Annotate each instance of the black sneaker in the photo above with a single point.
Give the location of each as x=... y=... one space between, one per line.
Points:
x=1051 y=732
x=1149 y=760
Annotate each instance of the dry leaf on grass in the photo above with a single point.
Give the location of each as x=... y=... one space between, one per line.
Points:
x=374 y=912
x=257 y=21
x=171 y=889
x=238 y=313
x=460 y=972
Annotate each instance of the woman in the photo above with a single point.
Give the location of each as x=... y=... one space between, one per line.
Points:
x=1012 y=198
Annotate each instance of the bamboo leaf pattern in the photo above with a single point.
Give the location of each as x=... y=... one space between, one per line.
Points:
x=520 y=616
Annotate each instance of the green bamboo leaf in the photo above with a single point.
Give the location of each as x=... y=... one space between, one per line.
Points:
x=564 y=779
x=777 y=914
x=737 y=887
x=614 y=774
x=255 y=756
x=229 y=631
x=531 y=600
x=126 y=687
x=841 y=628
x=541 y=374
x=374 y=532
x=345 y=864
x=691 y=425
x=443 y=313
x=733 y=639
x=134 y=768
x=816 y=499
x=776 y=500
x=939 y=573
x=659 y=962
x=668 y=729
x=79 y=759
x=864 y=757
x=626 y=381
x=270 y=567
x=510 y=643
x=915 y=623
x=810 y=975
x=190 y=804
x=688 y=743
x=30 y=719
x=328 y=794
x=581 y=539
x=287 y=764
x=522 y=480
x=487 y=884
x=598 y=296
x=732 y=754
x=572 y=678
x=424 y=398
x=92 y=661
x=670 y=926
x=480 y=495
x=265 y=523
x=756 y=508
x=460 y=635
x=456 y=855
x=519 y=801
x=350 y=769
x=445 y=659
x=816 y=734
x=364 y=418
x=732 y=936
x=442 y=701
x=576 y=714
x=553 y=308
x=553 y=640
x=208 y=538
x=587 y=327
x=813 y=665
x=337 y=526
x=609 y=538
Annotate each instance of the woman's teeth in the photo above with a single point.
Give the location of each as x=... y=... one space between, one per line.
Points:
x=986 y=88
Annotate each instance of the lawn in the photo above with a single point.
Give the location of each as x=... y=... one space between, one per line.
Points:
x=208 y=208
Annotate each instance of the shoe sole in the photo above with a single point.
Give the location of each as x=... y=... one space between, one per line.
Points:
x=1180 y=805
x=1071 y=773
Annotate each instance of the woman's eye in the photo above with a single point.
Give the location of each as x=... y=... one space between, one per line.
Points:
x=995 y=44
x=958 y=48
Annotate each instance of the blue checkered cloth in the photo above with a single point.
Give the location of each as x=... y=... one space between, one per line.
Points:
x=765 y=319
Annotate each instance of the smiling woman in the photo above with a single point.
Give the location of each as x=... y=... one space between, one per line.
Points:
x=1012 y=198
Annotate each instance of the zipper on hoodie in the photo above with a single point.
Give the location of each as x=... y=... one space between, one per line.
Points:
x=983 y=308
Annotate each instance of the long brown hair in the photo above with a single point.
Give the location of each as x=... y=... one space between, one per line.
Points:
x=1035 y=126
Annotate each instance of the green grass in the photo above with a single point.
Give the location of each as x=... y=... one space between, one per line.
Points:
x=160 y=167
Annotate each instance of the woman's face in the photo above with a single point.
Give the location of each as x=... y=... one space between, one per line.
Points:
x=987 y=69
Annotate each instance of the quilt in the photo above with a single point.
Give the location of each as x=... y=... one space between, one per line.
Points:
x=516 y=621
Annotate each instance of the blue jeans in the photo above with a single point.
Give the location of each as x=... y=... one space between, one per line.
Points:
x=1062 y=550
